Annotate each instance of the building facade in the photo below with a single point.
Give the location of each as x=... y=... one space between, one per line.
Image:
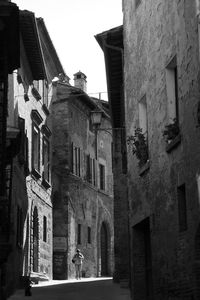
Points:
x=161 y=82
x=111 y=42
x=28 y=164
x=82 y=183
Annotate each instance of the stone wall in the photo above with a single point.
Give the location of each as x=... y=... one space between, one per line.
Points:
x=154 y=33
x=77 y=202
x=28 y=191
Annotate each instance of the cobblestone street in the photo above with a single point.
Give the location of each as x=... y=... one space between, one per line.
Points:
x=86 y=289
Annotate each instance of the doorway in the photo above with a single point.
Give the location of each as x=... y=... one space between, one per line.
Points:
x=104 y=250
x=142 y=285
x=197 y=262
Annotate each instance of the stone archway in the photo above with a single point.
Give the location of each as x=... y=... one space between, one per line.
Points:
x=104 y=249
x=35 y=240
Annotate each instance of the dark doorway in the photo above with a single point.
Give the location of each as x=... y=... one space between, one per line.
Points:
x=35 y=240
x=142 y=285
x=197 y=262
x=104 y=250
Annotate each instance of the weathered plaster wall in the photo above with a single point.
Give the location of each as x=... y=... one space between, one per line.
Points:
x=153 y=34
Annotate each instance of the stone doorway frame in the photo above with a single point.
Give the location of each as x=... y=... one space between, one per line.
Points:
x=109 y=262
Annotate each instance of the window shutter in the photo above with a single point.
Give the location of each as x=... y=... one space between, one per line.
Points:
x=79 y=162
x=91 y=170
x=94 y=172
x=72 y=157
x=26 y=165
x=88 y=168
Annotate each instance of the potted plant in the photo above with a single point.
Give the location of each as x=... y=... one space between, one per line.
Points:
x=171 y=131
x=139 y=146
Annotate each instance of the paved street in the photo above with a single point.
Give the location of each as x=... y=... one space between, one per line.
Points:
x=86 y=289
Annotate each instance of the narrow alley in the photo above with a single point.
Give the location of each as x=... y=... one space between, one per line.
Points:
x=87 y=289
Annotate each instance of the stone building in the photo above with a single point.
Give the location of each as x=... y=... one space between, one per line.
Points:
x=111 y=42
x=82 y=182
x=29 y=153
x=9 y=61
x=162 y=88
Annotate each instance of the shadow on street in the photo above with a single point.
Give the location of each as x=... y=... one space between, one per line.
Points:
x=85 y=289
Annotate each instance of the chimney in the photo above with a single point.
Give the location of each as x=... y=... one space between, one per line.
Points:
x=80 y=81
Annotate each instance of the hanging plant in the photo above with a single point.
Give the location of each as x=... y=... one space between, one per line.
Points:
x=139 y=146
x=171 y=131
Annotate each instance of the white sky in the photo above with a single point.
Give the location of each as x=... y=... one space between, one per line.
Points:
x=72 y=25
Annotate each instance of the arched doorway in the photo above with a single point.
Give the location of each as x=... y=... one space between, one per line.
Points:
x=104 y=250
x=35 y=240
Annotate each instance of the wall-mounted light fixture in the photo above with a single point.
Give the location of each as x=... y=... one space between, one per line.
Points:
x=96 y=117
x=96 y=120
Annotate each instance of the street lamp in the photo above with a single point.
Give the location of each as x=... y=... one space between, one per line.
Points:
x=96 y=117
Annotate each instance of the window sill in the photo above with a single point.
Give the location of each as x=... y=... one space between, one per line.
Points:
x=36 y=173
x=46 y=184
x=173 y=144
x=103 y=192
x=144 y=168
x=45 y=109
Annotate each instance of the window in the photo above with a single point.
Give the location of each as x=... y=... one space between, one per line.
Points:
x=45 y=93
x=88 y=168
x=36 y=84
x=35 y=148
x=19 y=227
x=36 y=121
x=94 y=172
x=44 y=228
x=89 y=235
x=79 y=234
x=76 y=160
x=172 y=90
x=91 y=176
x=143 y=124
x=21 y=126
x=182 y=208
x=102 y=177
x=23 y=154
x=45 y=159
